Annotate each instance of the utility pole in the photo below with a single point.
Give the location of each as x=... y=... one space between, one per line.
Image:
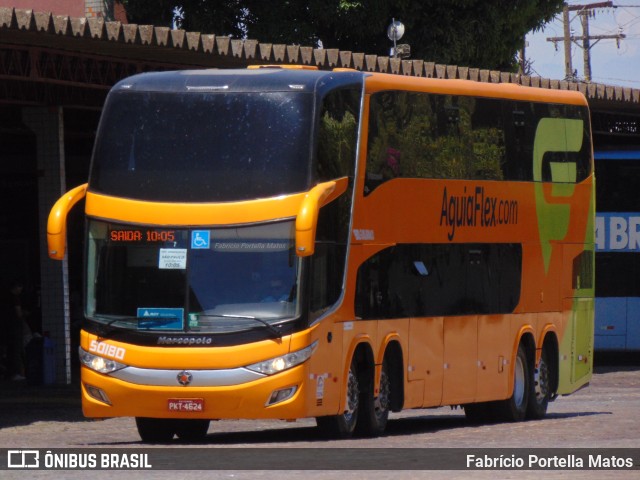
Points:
x=568 y=68
x=586 y=45
x=584 y=11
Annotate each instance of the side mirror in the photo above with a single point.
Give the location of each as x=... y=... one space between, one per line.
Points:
x=307 y=219
x=57 y=223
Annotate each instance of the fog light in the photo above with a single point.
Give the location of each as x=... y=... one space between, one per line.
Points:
x=97 y=393
x=281 y=395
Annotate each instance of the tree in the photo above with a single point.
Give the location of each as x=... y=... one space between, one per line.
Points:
x=477 y=33
x=208 y=16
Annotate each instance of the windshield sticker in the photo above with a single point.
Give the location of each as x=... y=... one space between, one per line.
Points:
x=160 y=318
x=172 y=259
x=200 y=239
x=256 y=246
x=193 y=320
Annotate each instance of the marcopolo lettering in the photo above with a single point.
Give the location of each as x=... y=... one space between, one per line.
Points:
x=188 y=341
x=476 y=208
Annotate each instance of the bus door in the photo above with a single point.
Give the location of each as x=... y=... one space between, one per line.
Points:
x=578 y=338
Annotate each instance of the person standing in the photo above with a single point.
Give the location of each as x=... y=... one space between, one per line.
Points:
x=19 y=332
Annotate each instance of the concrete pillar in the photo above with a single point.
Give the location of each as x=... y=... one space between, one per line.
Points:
x=47 y=124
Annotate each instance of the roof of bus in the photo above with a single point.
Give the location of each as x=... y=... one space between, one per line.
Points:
x=278 y=79
x=236 y=80
x=384 y=81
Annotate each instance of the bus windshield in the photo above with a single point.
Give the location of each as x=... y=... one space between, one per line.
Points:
x=212 y=280
x=203 y=147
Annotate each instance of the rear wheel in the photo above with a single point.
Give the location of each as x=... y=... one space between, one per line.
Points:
x=156 y=430
x=344 y=424
x=540 y=393
x=514 y=408
x=375 y=409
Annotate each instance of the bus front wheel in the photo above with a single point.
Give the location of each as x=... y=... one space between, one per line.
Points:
x=155 y=430
x=344 y=424
x=375 y=409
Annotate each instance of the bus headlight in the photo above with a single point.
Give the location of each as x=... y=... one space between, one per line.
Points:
x=284 y=362
x=99 y=364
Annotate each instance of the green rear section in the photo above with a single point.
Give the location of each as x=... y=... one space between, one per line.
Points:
x=576 y=347
x=576 y=343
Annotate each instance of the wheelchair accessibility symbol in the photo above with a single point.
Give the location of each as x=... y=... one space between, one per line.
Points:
x=200 y=239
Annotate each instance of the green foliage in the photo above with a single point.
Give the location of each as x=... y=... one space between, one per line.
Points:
x=336 y=144
x=425 y=136
x=221 y=17
x=477 y=33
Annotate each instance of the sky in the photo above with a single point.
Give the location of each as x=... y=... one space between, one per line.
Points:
x=609 y=64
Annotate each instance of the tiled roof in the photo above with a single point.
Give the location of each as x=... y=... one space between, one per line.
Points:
x=94 y=35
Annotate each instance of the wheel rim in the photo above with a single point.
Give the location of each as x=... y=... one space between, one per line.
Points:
x=541 y=381
x=519 y=382
x=353 y=394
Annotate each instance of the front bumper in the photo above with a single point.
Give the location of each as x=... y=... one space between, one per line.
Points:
x=245 y=400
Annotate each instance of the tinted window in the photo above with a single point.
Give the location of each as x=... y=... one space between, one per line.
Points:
x=423 y=135
x=338 y=134
x=336 y=158
x=440 y=279
x=199 y=147
x=562 y=132
x=434 y=136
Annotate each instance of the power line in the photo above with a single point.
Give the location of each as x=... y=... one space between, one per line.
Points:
x=584 y=11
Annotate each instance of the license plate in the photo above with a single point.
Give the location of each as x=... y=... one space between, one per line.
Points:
x=186 y=404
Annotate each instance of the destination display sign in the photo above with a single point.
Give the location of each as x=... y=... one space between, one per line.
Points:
x=141 y=235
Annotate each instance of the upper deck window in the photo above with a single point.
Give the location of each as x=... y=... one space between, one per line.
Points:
x=204 y=146
x=426 y=135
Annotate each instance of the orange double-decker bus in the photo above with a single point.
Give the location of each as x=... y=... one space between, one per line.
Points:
x=288 y=243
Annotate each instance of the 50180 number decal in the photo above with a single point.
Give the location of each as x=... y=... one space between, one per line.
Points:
x=107 y=350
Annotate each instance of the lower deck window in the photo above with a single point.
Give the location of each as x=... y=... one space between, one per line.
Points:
x=419 y=280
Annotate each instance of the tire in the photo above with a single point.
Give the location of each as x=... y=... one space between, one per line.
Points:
x=156 y=430
x=374 y=413
x=514 y=409
x=344 y=424
x=540 y=392
x=192 y=430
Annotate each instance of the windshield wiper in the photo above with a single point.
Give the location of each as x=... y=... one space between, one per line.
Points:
x=273 y=330
x=119 y=318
